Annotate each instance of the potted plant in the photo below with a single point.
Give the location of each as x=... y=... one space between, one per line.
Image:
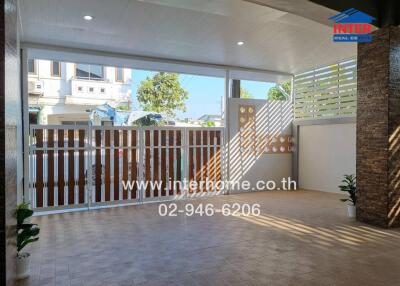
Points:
x=349 y=186
x=26 y=233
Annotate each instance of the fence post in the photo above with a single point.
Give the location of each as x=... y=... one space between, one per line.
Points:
x=89 y=178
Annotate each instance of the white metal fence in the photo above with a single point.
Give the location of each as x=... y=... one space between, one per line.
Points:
x=327 y=92
x=92 y=166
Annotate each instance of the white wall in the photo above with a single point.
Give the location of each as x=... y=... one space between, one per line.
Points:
x=272 y=117
x=326 y=153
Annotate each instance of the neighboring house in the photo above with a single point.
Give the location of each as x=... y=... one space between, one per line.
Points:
x=216 y=119
x=66 y=93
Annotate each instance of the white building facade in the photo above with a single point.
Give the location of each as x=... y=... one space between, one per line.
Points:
x=66 y=93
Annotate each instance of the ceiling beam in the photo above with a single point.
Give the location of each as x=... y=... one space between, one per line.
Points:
x=386 y=12
x=302 y=8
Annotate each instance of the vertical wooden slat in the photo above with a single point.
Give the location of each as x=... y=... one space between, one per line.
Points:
x=60 y=155
x=178 y=158
x=204 y=161
x=39 y=168
x=198 y=159
x=125 y=162
x=133 y=163
x=218 y=167
x=98 y=165
x=171 y=175
x=191 y=158
x=71 y=168
x=81 y=180
x=155 y=163
x=50 y=162
x=116 y=165
x=163 y=162
x=107 y=162
x=147 y=161
x=212 y=158
x=208 y=164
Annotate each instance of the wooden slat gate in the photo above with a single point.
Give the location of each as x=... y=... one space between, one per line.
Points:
x=98 y=166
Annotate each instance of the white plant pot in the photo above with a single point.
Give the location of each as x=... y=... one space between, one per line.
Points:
x=351 y=211
x=23 y=265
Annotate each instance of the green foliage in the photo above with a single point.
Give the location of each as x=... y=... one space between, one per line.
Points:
x=26 y=232
x=208 y=124
x=162 y=93
x=148 y=121
x=349 y=187
x=275 y=93
x=123 y=108
x=244 y=93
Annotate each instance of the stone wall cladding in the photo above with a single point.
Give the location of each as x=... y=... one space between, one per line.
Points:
x=378 y=119
x=394 y=129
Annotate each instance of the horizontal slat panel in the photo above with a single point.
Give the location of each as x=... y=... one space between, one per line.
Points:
x=347 y=77
x=341 y=100
x=342 y=65
x=320 y=77
x=326 y=92
x=328 y=86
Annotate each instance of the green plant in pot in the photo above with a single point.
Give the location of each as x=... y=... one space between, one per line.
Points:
x=26 y=234
x=349 y=186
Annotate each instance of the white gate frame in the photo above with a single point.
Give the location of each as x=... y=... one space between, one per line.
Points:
x=90 y=153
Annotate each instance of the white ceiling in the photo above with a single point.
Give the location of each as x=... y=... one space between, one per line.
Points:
x=192 y=30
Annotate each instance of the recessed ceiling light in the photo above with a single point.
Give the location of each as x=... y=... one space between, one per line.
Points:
x=240 y=43
x=88 y=17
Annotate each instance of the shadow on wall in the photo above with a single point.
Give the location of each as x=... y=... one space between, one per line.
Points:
x=394 y=178
x=260 y=140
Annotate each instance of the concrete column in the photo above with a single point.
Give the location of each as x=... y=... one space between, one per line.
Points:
x=378 y=129
x=10 y=137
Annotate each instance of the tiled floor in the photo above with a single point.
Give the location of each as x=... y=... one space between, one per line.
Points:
x=300 y=238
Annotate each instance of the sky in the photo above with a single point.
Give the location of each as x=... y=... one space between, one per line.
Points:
x=205 y=93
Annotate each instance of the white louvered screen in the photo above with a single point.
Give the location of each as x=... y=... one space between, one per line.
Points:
x=328 y=92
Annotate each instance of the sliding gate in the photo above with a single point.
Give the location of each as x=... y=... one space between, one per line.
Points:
x=96 y=166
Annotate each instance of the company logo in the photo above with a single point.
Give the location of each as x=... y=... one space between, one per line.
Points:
x=352 y=26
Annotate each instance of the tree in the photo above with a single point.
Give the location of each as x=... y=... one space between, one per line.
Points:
x=123 y=108
x=148 y=120
x=275 y=93
x=244 y=93
x=162 y=93
x=208 y=124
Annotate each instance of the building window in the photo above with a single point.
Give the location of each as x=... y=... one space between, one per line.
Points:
x=91 y=89
x=32 y=66
x=90 y=72
x=55 y=69
x=119 y=74
x=80 y=88
x=102 y=90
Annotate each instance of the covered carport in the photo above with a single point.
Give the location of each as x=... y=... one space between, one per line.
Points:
x=299 y=237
